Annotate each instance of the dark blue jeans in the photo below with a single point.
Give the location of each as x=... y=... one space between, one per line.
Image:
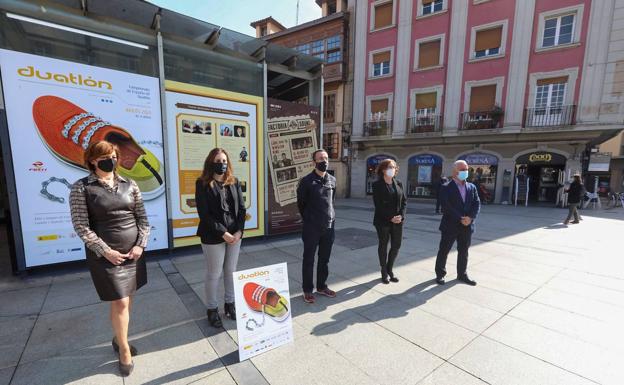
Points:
x=321 y=239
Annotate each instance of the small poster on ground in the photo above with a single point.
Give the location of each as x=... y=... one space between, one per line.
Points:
x=263 y=318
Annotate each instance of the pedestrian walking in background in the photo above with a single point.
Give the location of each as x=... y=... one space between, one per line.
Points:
x=390 y=205
x=575 y=194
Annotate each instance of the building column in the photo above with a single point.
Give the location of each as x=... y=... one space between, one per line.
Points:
x=594 y=63
x=359 y=65
x=455 y=65
x=401 y=76
x=519 y=63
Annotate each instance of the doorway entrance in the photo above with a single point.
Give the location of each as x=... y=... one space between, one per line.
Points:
x=544 y=170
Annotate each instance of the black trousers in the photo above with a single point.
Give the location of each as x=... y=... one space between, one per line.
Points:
x=438 y=203
x=463 y=238
x=316 y=238
x=392 y=233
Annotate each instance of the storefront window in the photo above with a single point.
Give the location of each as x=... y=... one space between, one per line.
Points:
x=371 y=169
x=423 y=175
x=482 y=169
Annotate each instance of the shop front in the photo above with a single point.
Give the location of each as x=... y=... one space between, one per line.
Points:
x=371 y=170
x=423 y=175
x=482 y=170
x=543 y=171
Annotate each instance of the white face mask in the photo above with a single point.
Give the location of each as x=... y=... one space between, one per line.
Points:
x=390 y=172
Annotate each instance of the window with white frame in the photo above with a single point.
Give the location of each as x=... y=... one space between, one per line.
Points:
x=425 y=105
x=334 y=52
x=558 y=30
x=432 y=6
x=550 y=94
x=318 y=49
x=379 y=110
x=381 y=64
x=383 y=15
x=333 y=42
x=333 y=57
x=304 y=49
x=488 y=42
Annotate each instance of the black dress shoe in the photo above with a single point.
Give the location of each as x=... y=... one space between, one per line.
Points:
x=213 y=318
x=384 y=280
x=440 y=281
x=126 y=370
x=230 y=310
x=465 y=279
x=133 y=350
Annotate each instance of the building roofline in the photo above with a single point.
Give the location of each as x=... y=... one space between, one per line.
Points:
x=309 y=24
x=267 y=19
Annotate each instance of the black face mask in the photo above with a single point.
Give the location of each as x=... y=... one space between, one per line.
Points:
x=107 y=165
x=322 y=166
x=219 y=168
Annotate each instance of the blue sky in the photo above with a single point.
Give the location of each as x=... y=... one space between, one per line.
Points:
x=237 y=14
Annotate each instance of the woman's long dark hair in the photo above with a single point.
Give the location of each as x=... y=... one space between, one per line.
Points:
x=207 y=176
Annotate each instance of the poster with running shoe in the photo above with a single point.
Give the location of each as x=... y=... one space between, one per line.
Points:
x=263 y=316
x=55 y=109
x=198 y=120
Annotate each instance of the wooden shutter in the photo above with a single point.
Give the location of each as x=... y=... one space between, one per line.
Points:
x=380 y=105
x=482 y=98
x=426 y=2
x=381 y=57
x=489 y=38
x=557 y=80
x=429 y=54
x=329 y=108
x=428 y=100
x=383 y=15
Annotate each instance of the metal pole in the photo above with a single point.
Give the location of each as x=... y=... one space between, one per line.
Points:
x=266 y=146
x=322 y=106
x=163 y=115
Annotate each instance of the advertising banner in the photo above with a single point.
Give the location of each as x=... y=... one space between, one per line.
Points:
x=198 y=120
x=55 y=109
x=263 y=314
x=292 y=135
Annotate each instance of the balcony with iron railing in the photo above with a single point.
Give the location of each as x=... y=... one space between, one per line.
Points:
x=482 y=120
x=550 y=116
x=378 y=128
x=423 y=124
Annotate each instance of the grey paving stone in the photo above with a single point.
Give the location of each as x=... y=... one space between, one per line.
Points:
x=448 y=374
x=496 y=363
x=574 y=303
x=222 y=377
x=6 y=374
x=69 y=294
x=589 y=291
x=95 y=365
x=300 y=364
x=394 y=360
x=14 y=334
x=176 y=354
x=574 y=325
x=78 y=328
x=193 y=271
x=485 y=297
x=593 y=279
x=23 y=301
x=590 y=361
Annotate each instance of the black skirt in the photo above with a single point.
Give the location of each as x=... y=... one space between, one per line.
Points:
x=116 y=282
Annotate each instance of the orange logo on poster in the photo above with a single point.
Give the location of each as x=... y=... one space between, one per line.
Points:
x=38 y=167
x=30 y=72
x=253 y=275
x=540 y=158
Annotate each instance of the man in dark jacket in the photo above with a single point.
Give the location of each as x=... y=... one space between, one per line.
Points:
x=460 y=207
x=315 y=199
x=575 y=194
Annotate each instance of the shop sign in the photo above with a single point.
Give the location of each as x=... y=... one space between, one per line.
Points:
x=425 y=160
x=545 y=158
x=374 y=161
x=480 y=159
x=599 y=162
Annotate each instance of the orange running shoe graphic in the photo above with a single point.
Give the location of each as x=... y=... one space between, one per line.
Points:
x=266 y=300
x=67 y=130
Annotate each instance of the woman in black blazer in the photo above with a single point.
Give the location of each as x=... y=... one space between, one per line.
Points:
x=390 y=204
x=221 y=209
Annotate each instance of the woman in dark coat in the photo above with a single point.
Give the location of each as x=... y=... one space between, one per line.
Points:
x=575 y=195
x=221 y=208
x=390 y=204
x=108 y=215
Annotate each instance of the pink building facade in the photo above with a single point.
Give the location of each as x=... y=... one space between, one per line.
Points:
x=518 y=88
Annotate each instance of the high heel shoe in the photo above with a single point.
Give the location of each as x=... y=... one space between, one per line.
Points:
x=230 y=310
x=213 y=318
x=133 y=350
x=126 y=369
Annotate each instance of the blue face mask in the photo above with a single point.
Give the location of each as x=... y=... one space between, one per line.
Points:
x=462 y=175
